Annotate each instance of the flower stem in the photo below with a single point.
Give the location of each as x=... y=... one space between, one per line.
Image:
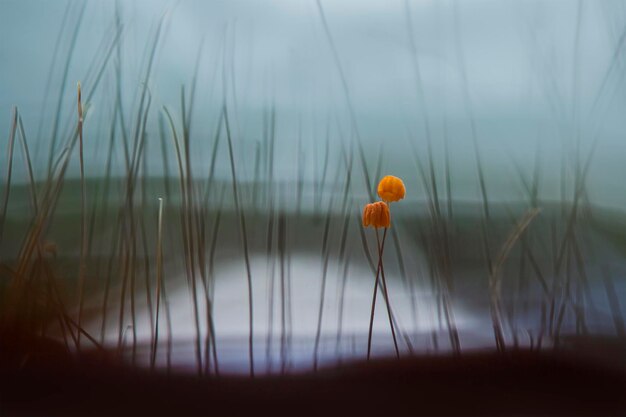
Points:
x=381 y=247
x=386 y=294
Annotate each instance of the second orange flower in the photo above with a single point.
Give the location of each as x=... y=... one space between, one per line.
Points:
x=376 y=215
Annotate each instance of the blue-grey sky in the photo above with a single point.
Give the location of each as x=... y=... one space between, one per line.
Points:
x=530 y=73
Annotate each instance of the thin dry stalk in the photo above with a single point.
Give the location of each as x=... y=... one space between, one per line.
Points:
x=495 y=280
x=325 y=256
x=83 y=218
x=186 y=226
x=29 y=165
x=159 y=279
x=244 y=236
x=381 y=248
x=282 y=245
x=7 y=185
x=386 y=294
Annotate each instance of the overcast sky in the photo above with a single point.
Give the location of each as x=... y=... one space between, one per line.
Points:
x=528 y=72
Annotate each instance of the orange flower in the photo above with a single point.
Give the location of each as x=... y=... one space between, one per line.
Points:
x=376 y=215
x=391 y=188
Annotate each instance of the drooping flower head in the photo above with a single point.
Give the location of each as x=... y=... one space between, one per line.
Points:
x=376 y=215
x=391 y=188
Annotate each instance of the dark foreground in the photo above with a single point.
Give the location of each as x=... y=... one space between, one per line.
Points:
x=480 y=383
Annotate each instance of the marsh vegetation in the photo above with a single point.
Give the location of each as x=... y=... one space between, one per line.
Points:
x=204 y=236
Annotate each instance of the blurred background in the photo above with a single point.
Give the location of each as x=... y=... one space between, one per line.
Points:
x=265 y=127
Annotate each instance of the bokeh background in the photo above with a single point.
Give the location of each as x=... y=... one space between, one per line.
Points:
x=486 y=109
